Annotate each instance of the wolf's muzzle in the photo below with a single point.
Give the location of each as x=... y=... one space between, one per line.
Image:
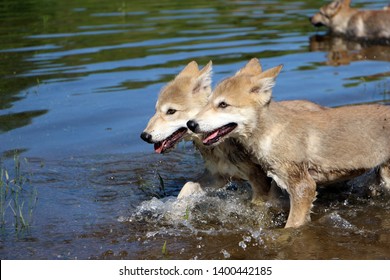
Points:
x=315 y=23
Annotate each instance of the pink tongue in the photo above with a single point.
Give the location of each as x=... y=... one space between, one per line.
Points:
x=211 y=136
x=160 y=148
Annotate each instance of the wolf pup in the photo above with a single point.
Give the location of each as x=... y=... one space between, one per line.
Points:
x=178 y=102
x=183 y=98
x=298 y=149
x=341 y=19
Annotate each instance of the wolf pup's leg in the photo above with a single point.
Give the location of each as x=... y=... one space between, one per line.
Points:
x=385 y=175
x=190 y=188
x=260 y=185
x=302 y=194
x=206 y=180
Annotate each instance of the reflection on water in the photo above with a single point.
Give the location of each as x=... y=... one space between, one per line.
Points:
x=94 y=68
x=342 y=52
x=79 y=81
x=12 y=121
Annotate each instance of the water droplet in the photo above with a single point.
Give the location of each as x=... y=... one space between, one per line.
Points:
x=242 y=245
x=225 y=253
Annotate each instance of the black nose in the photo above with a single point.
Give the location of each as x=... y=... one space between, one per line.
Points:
x=194 y=126
x=146 y=137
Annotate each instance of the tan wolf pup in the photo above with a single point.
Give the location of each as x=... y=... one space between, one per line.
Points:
x=178 y=102
x=341 y=19
x=298 y=149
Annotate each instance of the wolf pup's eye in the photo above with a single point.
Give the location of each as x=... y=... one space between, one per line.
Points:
x=171 y=111
x=222 y=105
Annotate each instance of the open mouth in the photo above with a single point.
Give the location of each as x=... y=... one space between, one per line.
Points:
x=162 y=146
x=215 y=135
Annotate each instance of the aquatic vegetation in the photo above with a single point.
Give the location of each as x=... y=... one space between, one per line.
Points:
x=151 y=190
x=17 y=198
x=164 y=249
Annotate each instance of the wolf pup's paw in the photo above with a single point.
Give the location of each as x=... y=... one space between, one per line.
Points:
x=189 y=189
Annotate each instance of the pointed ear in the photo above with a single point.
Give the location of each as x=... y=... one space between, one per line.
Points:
x=207 y=69
x=203 y=80
x=253 y=67
x=273 y=72
x=336 y=4
x=265 y=81
x=346 y=3
x=190 y=70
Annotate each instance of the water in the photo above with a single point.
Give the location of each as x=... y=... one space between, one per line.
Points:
x=79 y=81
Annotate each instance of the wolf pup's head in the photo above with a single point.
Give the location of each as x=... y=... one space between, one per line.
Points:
x=179 y=101
x=327 y=13
x=235 y=104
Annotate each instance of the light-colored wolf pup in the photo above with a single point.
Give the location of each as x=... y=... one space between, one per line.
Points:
x=178 y=102
x=341 y=19
x=298 y=149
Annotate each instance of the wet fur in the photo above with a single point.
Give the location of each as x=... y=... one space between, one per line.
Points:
x=188 y=94
x=299 y=149
x=341 y=19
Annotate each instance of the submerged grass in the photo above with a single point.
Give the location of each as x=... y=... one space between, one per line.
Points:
x=17 y=199
x=164 y=249
x=151 y=190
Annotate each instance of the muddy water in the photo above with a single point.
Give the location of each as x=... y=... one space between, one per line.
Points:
x=79 y=80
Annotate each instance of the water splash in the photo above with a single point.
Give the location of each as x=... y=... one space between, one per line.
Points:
x=335 y=220
x=215 y=212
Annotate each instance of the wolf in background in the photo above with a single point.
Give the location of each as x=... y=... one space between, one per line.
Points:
x=341 y=19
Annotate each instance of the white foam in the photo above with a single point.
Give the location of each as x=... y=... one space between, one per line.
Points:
x=216 y=212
